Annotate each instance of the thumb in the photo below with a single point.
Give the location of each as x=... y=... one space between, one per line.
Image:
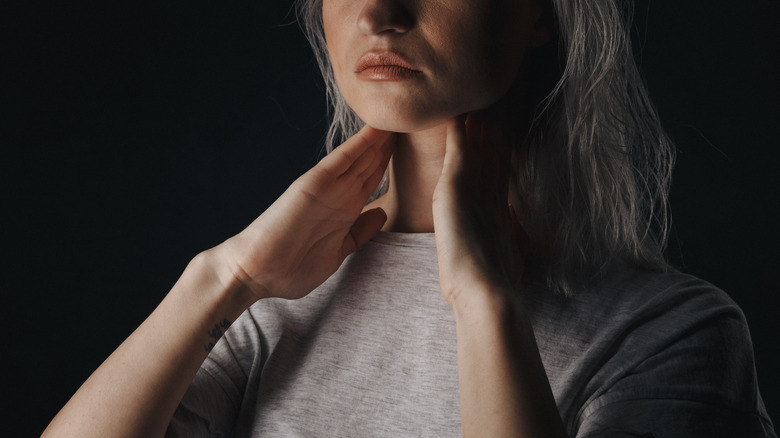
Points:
x=365 y=227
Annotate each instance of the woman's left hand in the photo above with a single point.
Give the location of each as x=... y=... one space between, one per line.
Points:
x=504 y=390
x=479 y=242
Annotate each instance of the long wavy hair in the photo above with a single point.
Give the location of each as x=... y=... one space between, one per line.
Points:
x=594 y=167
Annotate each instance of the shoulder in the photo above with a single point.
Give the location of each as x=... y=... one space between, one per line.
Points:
x=638 y=309
x=636 y=293
x=626 y=299
x=673 y=328
x=637 y=341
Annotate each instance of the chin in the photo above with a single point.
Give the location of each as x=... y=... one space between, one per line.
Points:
x=403 y=121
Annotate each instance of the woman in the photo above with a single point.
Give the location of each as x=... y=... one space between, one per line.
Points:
x=545 y=183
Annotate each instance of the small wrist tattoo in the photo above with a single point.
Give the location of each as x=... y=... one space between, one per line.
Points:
x=215 y=333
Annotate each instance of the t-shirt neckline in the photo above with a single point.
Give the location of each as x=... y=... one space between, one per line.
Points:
x=422 y=240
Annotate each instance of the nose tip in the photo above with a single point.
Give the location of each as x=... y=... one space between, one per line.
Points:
x=380 y=16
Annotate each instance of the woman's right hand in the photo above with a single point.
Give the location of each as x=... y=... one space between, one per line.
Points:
x=288 y=251
x=303 y=237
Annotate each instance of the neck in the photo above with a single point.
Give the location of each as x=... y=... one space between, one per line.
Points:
x=417 y=163
x=414 y=172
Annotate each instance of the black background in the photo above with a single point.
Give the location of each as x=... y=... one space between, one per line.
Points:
x=136 y=135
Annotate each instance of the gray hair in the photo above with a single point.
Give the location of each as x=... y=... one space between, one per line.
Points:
x=595 y=168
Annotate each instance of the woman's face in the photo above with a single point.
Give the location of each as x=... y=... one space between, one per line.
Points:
x=407 y=65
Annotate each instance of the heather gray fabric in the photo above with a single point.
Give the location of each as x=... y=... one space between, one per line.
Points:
x=372 y=352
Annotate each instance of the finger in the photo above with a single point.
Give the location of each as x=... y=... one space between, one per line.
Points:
x=380 y=157
x=344 y=156
x=522 y=244
x=365 y=227
x=499 y=159
x=388 y=147
x=519 y=235
x=455 y=148
x=489 y=152
x=375 y=156
x=365 y=163
x=372 y=180
x=473 y=151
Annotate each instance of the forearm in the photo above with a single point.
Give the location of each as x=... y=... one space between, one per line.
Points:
x=136 y=390
x=504 y=390
x=295 y=245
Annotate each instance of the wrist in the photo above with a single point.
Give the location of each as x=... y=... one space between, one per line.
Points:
x=213 y=268
x=476 y=302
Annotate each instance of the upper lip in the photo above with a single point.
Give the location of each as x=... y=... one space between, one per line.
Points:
x=382 y=59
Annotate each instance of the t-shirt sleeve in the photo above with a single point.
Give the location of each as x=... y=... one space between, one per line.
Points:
x=214 y=398
x=697 y=379
x=208 y=409
x=661 y=418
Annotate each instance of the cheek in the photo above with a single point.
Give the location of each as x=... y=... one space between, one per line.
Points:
x=483 y=61
x=497 y=74
x=334 y=24
x=498 y=49
x=473 y=67
x=333 y=54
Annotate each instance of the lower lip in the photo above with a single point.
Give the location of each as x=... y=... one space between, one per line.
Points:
x=387 y=73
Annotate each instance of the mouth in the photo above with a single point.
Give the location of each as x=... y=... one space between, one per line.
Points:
x=385 y=66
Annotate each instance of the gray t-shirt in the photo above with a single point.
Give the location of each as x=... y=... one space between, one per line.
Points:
x=372 y=352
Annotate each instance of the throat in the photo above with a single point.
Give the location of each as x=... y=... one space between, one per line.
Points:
x=414 y=172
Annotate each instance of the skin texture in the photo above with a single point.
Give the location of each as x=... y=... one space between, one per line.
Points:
x=504 y=391
x=314 y=224
x=450 y=174
x=322 y=210
x=443 y=165
x=463 y=66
